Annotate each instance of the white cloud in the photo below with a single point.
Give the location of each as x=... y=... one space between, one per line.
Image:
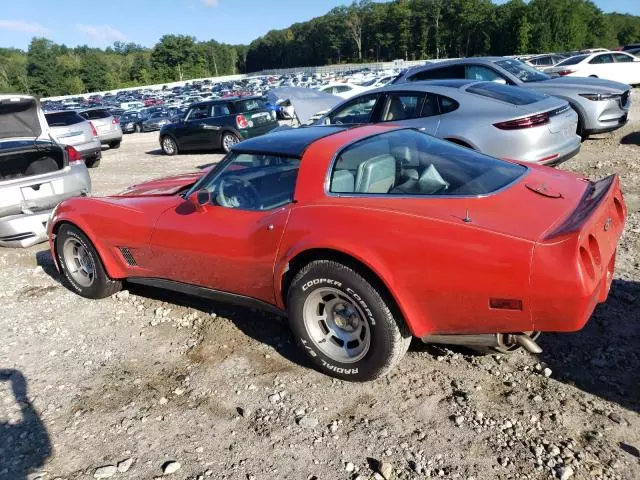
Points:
x=102 y=33
x=211 y=3
x=21 y=26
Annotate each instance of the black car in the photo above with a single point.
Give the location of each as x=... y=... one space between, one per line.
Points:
x=218 y=124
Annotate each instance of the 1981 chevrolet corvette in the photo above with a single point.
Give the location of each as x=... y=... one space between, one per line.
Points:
x=365 y=237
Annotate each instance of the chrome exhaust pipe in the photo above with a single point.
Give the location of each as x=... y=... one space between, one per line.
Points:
x=502 y=341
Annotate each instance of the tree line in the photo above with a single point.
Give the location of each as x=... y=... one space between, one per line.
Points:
x=364 y=31
x=49 y=69
x=421 y=29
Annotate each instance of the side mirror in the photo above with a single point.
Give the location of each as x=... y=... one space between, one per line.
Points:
x=200 y=199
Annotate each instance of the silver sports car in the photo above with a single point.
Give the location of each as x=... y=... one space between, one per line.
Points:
x=601 y=105
x=499 y=120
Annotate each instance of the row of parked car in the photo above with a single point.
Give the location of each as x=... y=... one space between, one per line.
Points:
x=498 y=106
x=495 y=105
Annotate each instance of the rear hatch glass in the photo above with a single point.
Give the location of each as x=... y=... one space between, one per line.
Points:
x=96 y=114
x=255 y=109
x=63 y=119
x=506 y=93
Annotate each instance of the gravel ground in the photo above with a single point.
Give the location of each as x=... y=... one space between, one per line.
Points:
x=149 y=384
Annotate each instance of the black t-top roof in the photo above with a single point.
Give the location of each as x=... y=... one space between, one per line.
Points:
x=287 y=143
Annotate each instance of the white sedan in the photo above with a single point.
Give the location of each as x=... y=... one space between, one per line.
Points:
x=617 y=66
x=344 y=90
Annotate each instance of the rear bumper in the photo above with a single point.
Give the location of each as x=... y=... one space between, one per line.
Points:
x=110 y=137
x=90 y=150
x=561 y=158
x=257 y=131
x=24 y=230
x=573 y=266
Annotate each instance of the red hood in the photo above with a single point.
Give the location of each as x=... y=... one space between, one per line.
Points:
x=163 y=186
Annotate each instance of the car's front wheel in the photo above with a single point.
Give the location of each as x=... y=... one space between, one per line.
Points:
x=169 y=146
x=81 y=267
x=347 y=328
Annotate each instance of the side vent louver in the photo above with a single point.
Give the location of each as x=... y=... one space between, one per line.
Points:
x=126 y=253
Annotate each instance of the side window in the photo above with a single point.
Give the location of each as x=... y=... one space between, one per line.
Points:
x=455 y=71
x=447 y=104
x=402 y=106
x=430 y=106
x=253 y=182
x=220 y=110
x=479 y=72
x=606 y=58
x=199 y=112
x=356 y=111
x=622 y=58
x=341 y=89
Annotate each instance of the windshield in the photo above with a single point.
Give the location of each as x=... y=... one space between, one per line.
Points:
x=506 y=93
x=251 y=181
x=572 y=60
x=408 y=162
x=525 y=73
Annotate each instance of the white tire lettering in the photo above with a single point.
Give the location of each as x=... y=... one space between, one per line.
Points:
x=318 y=281
x=344 y=371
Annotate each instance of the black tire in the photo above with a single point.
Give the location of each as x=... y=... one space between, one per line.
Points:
x=92 y=162
x=114 y=145
x=169 y=145
x=580 y=130
x=102 y=286
x=41 y=166
x=389 y=336
x=227 y=140
x=138 y=128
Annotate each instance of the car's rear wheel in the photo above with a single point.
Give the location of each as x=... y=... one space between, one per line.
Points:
x=81 y=267
x=169 y=146
x=114 y=145
x=347 y=328
x=228 y=141
x=93 y=162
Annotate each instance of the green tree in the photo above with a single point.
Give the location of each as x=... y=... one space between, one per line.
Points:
x=42 y=69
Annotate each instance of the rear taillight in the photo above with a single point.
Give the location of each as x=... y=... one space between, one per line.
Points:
x=241 y=121
x=526 y=122
x=115 y=121
x=562 y=73
x=94 y=132
x=74 y=156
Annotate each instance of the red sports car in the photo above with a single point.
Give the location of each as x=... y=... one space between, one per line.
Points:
x=365 y=237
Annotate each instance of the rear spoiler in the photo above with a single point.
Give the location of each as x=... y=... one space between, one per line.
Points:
x=593 y=196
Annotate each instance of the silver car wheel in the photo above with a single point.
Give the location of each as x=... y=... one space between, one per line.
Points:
x=229 y=141
x=168 y=146
x=336 y=325
x=79 y=262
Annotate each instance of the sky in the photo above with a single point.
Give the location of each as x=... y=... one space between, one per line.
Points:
x=98 y=23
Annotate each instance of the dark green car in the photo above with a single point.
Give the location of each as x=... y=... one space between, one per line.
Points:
x=217 y=124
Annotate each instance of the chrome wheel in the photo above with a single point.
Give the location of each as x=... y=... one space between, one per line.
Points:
x=336 y=325
x=79 y=262
x=229 y=141
x=168 y=146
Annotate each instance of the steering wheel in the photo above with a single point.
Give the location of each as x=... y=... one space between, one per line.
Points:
x=239 y=194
